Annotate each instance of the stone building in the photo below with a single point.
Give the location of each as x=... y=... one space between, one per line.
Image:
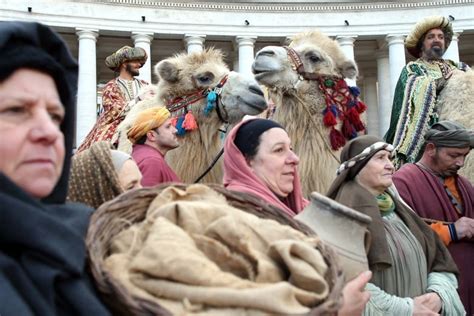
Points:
x=370 y=32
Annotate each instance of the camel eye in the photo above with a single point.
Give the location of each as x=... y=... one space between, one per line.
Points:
x=205 y=78
x=314 y=58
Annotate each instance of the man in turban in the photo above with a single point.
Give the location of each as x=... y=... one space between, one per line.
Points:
x=445 y=199
x=152 y=136
x=119 y=94
x=414 y=103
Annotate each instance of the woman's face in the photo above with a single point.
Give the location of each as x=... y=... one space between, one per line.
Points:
x=376 y=176
x=32 y=144
x=275 y=163
x=130 y=176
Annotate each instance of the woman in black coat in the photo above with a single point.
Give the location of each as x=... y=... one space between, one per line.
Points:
x=42 y=249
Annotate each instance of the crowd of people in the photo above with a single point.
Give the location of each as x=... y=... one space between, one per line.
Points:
x=422 y=211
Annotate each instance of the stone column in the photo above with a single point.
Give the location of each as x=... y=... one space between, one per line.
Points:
x=383 y=91
x=453 y=50
x=347 y=45
x=370 y=99
x=86 y=113
x=396 y=57
x=143 y=40
x=246 y=54
x=194 y=43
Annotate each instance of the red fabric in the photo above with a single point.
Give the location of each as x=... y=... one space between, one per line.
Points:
x=113 y=102
x=425 y=193
x=153 y=166
x=239 y=177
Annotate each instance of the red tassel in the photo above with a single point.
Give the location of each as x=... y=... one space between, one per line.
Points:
x=359 y=126
x=347 y=129
x=337 y=139
x=189 y=123
x=174 y=120
x=329 y=119
x=353 y=115
x=361 y=107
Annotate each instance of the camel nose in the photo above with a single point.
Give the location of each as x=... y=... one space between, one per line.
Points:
x=255 y=89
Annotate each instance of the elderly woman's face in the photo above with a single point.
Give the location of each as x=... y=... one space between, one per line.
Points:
x=130 y=176
x=376 y=175
x=32 y=145
x=275 y=162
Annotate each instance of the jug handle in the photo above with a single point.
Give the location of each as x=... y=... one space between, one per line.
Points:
x=367 y=240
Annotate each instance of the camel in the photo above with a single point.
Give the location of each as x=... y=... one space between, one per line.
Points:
x=455 y=104
x=297 y=77
x=186 y=84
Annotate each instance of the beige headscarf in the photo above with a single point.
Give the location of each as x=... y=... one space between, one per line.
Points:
x=146 y=121
x=424 y=26
x=93 y=178
x=124 y=54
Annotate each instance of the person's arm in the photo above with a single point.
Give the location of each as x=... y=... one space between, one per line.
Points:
x=445 y=285
x=382 y=303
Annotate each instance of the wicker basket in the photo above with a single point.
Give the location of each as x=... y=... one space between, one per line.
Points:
x=116 y=215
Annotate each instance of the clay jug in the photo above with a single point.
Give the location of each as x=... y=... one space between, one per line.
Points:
x=342 y=228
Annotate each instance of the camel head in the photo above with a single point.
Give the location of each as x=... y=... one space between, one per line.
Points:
x=202 y=73
x=318 y=54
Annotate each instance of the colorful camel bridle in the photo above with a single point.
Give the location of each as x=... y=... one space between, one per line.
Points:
x=182 y=116
x=343 y=106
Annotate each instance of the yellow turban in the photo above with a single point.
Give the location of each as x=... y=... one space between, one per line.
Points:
x=146 y=121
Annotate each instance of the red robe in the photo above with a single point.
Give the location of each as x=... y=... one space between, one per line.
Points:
x=114 y=103
x=153 y=166
x=425 y=193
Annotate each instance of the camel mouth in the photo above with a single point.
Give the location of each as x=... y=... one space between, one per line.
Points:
x=259 y=104
x=261 y=74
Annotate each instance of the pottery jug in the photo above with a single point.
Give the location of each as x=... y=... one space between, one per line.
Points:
x=341 y=227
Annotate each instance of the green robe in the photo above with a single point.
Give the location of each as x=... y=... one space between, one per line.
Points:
x=414 y=107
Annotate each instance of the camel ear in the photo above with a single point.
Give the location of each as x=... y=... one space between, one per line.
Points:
x=167 y=71
x=348 y=69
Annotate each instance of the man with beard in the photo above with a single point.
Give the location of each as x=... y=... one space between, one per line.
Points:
x=152 y=136
x=414 y=102
x=443 y=198
x=119 y=94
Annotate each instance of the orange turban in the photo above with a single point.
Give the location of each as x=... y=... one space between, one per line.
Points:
x=146 y=121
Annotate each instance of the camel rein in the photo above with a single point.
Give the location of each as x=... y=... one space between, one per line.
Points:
x=214 y=161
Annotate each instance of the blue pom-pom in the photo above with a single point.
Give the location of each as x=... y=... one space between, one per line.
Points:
x=211 y=102
x=355 y=91
x=333 y=109
x=180 y=130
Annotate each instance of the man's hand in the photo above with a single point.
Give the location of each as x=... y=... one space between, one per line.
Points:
x=464 y=227
x=427 y=304
x=355 y=296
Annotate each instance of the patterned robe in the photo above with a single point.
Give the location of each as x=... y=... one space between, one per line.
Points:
x=414 y=106
x=116 y=103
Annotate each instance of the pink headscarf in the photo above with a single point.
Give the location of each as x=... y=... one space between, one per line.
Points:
x=239 y=177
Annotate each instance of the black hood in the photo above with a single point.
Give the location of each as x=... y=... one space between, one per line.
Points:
x=35 y=46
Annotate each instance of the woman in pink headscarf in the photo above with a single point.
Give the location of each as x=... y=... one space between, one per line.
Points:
x=259 y=160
